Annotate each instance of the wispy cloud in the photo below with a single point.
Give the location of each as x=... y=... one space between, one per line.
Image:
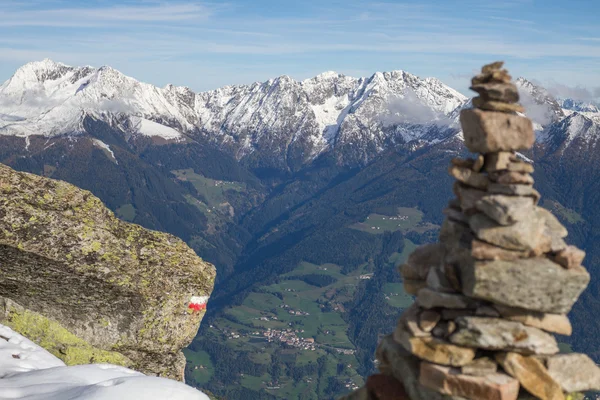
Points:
x=101 y=16
x=225 y=41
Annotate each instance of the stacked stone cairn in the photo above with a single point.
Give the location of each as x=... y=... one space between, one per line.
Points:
x=498 y=284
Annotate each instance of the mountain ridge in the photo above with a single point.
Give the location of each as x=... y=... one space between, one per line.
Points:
x=294 y=121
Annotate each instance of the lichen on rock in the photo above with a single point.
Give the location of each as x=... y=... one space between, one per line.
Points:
x=117 y=287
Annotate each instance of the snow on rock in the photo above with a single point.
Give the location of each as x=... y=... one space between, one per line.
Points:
x=146 y=127
x=101 y=145
x=28 y=372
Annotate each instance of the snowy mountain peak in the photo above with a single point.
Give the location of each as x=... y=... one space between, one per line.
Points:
x=539 y=104
x=39 y=71
x=290 y=121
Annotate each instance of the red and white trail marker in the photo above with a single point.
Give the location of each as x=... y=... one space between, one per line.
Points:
x=198 y=303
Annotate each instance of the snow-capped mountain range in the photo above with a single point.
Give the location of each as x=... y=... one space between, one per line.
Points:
x=281 y=122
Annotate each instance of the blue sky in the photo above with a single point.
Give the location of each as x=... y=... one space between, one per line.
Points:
x=205 y=45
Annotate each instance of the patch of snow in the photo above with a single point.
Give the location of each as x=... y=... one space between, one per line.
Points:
x=146 y=127
x=28 y=372
x=101 y=145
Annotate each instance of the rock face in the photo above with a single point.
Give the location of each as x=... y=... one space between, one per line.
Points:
x=500 y=280
x=91 y=288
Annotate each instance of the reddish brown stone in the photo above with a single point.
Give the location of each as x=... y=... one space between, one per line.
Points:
x=570 y=257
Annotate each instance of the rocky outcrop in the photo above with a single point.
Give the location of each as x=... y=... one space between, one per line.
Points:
x=499 y=283
x=91 y=288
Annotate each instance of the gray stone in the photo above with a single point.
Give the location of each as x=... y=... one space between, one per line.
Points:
x=499 y=334
x=468 y=196
x=500 y=92
x=506 y=210
x=523 y=235
x=552 y=223
x=574 y=372
x=557 y=323
x=514 y=190
x=536 y=284
x=491 y=131
x=429 y=298
x=433 y=349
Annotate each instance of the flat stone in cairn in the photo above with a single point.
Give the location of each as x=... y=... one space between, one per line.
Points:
x=428 y=298
x=556 y=323
x=499 y=334
x=480 y=367
x=491 y=131
x=531 y=374
x=396 y=361
x=574 y=372
x=570 y=257
x=495 y=386
x=536 y=284
x=433 y=349
x=500 y=92
x=492 y=73
x=525 y=235
x=520 y=166
x=505 y=210
x=469 y=177
x=511 y=178
x=492 y=105
x=485 y=251
x=514 y=190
